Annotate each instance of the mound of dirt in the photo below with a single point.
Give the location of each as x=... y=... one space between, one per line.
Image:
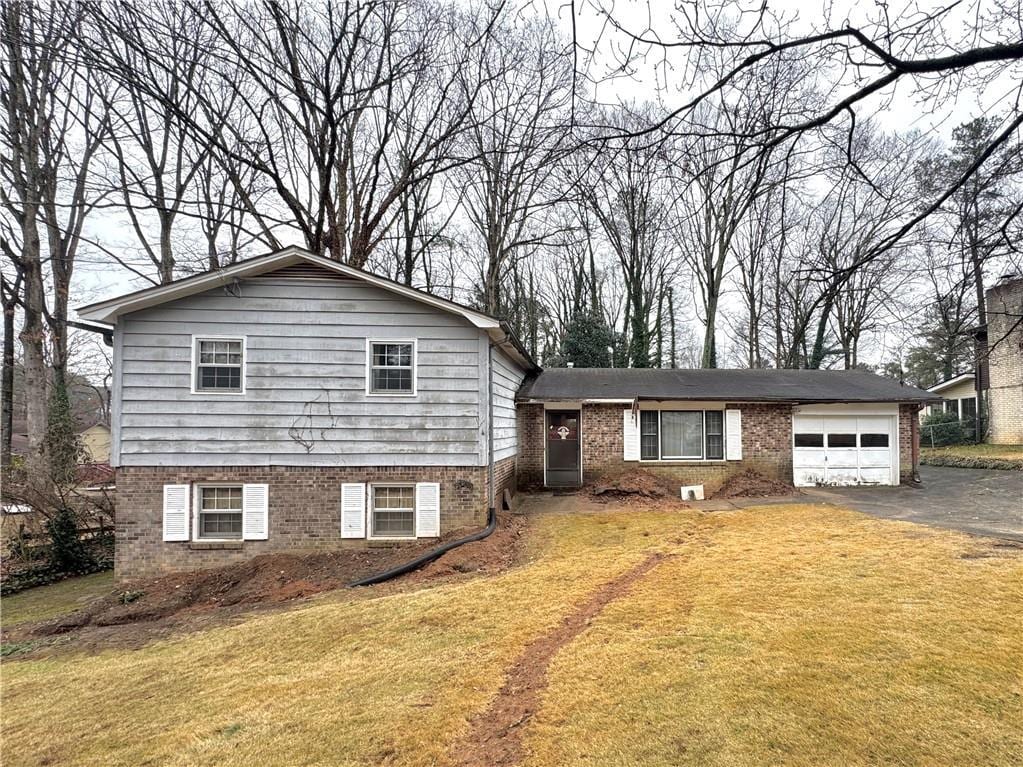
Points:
x=275 y=578
x=750 y=484
x=638 y=486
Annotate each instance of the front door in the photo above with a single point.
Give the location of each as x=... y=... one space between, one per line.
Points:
x=563 y=448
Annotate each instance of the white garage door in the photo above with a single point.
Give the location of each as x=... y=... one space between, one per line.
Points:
x=844 y=450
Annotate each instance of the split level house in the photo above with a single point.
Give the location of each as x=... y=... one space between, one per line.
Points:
x=290 y=402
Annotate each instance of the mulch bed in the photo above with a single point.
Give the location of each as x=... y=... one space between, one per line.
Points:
x=273 y=579
x=750 y=484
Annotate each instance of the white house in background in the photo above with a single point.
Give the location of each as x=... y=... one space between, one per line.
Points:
x=960 y=397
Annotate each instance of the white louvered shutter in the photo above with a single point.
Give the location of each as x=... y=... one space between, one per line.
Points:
x=255 y=512
x=353 y=510
x=427 y=510
x=733 y=435
x=175 y=512
x=630 y=435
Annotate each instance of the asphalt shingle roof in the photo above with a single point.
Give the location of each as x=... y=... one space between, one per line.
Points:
x=719 y=384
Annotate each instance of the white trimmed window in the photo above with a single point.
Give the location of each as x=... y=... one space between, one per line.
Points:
x=682 y=435
x=393 y=511
x=220 y=365
x=392 y=367
x=220 y=512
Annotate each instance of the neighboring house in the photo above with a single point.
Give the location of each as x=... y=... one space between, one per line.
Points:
x=96 y=443
x=959 y=395
x=999 y=352
x=1002 y=367
x=959 y=398
x=290 y=402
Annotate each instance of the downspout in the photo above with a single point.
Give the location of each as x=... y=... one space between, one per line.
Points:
x=491 y=505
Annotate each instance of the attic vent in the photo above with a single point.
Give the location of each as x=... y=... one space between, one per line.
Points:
x=307 y=271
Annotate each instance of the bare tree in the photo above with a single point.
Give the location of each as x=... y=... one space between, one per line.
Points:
x=630 y=193
x=517 y=136
x=322 y=97
x=52 y=130
x=855 y=65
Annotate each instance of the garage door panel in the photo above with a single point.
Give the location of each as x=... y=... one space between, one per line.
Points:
x=808 y=477
x=840 y=423
x=880 y=424
x=875 y=457
x=808 y=457
x=875 y=476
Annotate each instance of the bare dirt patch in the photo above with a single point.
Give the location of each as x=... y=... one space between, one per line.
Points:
x=495 y=735
x=139 y=611
x=637 y=486
x=750 y=484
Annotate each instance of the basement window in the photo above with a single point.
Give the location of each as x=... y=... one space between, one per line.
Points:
x=220 y=513
x=393 y=513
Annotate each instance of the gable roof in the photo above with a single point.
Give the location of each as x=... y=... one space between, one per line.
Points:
x=950 y=382
x=627 y=384
x=288 y=258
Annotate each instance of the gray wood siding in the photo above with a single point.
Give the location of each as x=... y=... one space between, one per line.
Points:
x=507 y=379
x=305 y=400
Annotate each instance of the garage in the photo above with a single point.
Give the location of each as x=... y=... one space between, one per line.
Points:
x=845 y=447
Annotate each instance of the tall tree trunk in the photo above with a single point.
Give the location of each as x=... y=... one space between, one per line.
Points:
x=10 y=297
x=671 y=319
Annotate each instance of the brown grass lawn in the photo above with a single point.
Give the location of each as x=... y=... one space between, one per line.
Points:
x=802 y=635
x=56 y=599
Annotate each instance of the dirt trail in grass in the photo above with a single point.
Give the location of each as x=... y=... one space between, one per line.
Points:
x=495 y=735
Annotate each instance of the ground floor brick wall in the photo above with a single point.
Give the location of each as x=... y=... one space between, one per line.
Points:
x=532 y=432
x=504 y=478
x=304 y=509
x=766 y=447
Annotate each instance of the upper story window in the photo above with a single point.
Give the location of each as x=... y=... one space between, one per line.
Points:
x=219 y=365
x=679 y=435
x=392 y=367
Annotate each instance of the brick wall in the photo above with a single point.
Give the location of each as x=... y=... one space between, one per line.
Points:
x=1005 y=363
x=504 y=478
x=304 y=509
x=766 y=446
x=529 y=464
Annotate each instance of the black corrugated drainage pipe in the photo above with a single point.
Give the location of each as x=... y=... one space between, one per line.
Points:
x=429 y=556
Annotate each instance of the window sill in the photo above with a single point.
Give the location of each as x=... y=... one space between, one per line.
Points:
x=215 y=545
x=405 y=395
x=683 y=461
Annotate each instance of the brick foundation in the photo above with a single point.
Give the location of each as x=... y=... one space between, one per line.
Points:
x=304 y=510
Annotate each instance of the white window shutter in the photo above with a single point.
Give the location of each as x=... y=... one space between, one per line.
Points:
x=353 y=510
x=255 y=512
x=733 y=435
x=427 y=510
x=630 y=435
x=175 y=512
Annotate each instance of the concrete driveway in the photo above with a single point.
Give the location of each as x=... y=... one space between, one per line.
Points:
x=978 y=501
